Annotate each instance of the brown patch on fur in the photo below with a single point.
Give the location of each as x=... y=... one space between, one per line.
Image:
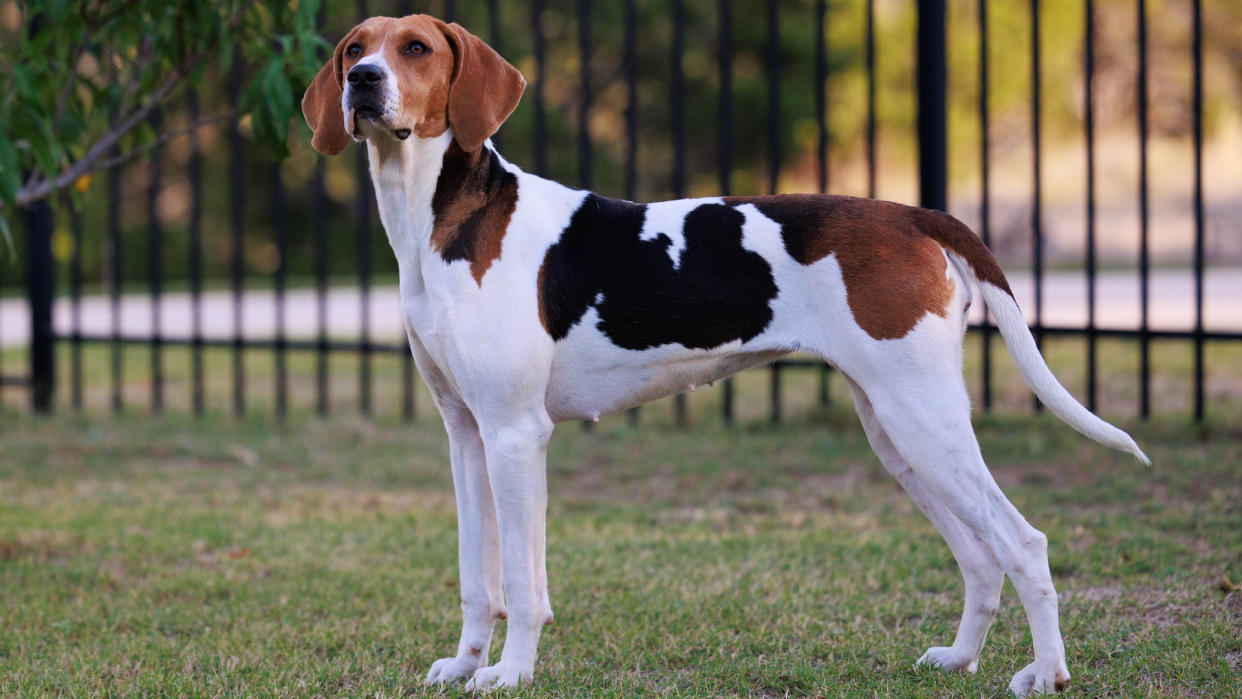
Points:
x=473 y=202
x=889 y=254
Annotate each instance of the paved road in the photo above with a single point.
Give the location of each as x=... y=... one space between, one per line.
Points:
x=1117 y=306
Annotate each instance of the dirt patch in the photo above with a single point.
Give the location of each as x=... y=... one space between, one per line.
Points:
x=40 y=545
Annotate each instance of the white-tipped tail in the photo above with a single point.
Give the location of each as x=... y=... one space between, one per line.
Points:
x=1041 y=380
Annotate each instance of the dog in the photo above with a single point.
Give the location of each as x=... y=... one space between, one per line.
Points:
x=528 y=303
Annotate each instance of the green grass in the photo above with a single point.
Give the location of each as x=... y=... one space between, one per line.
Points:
x=168 y=556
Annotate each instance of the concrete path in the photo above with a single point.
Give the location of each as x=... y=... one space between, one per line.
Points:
x=1117 y=306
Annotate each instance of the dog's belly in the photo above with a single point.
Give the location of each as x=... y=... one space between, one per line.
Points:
x=593 y=377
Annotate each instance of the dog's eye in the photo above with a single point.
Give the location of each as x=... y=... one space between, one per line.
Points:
x=354 y=50
x=416 y=47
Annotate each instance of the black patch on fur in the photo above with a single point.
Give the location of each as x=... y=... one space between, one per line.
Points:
x=719 y=292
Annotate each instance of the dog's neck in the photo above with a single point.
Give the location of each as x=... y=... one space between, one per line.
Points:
x=435 y=198
x=404 y=174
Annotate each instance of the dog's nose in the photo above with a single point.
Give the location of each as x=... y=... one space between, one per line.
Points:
x=365 y=76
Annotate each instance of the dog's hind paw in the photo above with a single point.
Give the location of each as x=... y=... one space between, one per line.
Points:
x=451 y=669
x=1030 y=680
x=948 y=659
x=499 y=676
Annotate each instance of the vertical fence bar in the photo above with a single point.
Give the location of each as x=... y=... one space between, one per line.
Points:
x=725 y=60
x=114 y=282
x=774 y=97
x=584 y=96
x=362 y=217
x=281 y=227
x=1144 y=245
x=237 y=219
x=631 y=124
x=821 y=94
x=75 y=295
x=154 y=272
x=1197 y=57
x=1089 y=125
x=40 y=288
x=932 y=117
x=985 y=198
x=495 y=38
x=541 y=154
x=319 y=197
x=320 y=203
x=1037 y=223
x=677 y=100
x=450 y=11
x=871 y=117
x=196 y=259
x=631 y=101
x=774 y=160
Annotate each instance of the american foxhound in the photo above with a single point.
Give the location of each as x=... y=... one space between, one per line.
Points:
x=528 y=303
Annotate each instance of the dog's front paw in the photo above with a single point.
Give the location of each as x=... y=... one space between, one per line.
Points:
x=451 y=669
x=948 y=659
x=499 y=676
x=1031 y=680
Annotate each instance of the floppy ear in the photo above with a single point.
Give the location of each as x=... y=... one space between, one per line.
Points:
x=321 y=105
x=484 y=89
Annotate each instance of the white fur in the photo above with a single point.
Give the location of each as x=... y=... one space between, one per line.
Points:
x=501 y=383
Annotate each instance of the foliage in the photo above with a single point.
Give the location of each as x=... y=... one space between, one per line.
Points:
x=81 y=84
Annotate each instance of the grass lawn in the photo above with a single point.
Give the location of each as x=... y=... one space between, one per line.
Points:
x=169 y=556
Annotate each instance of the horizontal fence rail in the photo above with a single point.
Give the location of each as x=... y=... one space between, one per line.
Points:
x=645 y=145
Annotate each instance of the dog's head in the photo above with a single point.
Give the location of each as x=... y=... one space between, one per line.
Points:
x=392 y=77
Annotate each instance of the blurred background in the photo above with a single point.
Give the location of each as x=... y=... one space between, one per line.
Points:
x=208 y=275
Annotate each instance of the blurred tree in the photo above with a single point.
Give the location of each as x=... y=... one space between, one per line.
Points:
x=78 y=80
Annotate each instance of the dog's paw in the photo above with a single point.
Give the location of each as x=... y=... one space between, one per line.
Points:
x=947 y=659
x=499 y=676
x=1030 y=680
x=451 y=669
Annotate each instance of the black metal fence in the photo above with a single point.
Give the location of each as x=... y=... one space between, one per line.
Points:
x=493 y=20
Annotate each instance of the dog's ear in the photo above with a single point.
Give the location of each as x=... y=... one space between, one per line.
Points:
x=484 y=89
x=321 y=106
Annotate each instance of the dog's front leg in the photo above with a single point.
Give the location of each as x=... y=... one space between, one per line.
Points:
x=516 y=452
x=478 y=547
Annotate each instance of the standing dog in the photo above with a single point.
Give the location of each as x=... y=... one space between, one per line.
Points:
x=528 y=303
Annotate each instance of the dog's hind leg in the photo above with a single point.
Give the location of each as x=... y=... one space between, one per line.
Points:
x=920 y=400
x=980 y=570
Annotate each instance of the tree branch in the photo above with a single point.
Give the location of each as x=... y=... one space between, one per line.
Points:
x=164 y=138
x=34 y=190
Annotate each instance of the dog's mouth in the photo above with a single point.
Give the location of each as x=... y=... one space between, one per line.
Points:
x=371 y=113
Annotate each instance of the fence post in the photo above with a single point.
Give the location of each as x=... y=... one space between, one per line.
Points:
x=933 y=150
x=39 y=289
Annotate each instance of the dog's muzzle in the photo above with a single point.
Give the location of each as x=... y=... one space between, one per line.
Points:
x=366 y=96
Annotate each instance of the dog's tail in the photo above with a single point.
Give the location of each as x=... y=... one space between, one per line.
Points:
x=961 y=242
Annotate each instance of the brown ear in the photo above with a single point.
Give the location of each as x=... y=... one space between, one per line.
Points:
x=321 y=105
x=484 y=90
